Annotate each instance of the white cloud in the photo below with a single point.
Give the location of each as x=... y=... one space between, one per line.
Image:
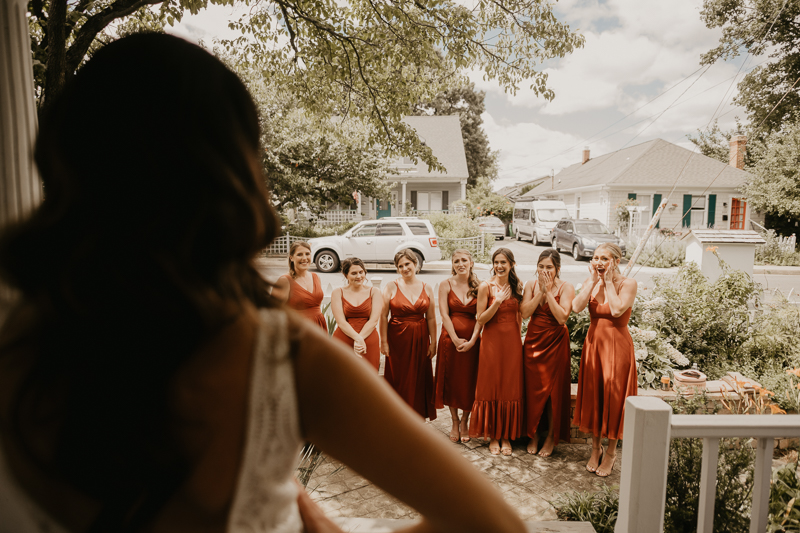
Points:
x=209 y=23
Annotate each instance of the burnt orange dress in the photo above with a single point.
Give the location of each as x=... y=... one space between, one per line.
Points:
x=498 y=409
x=457 y=372
x=357 y=316
x=408 y=369
x=307 y=303
x=547 y=376
x=608 y=373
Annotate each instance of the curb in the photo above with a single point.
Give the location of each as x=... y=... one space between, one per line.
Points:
x=779 y=271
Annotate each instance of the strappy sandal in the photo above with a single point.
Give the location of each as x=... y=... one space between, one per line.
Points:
x=613 y=462
x=599 y=460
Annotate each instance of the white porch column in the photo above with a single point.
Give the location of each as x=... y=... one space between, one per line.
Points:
x=20 y=189
x=643 y=485
x=403 y=198
x=463 y=189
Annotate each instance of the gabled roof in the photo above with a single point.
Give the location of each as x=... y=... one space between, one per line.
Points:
x=443 y=135
x=655 y=163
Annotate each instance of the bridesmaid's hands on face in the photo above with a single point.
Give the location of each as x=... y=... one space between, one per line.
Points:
x=545 y=281
x=608 y=275
x=593 y=273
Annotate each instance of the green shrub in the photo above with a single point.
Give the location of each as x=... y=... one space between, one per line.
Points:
x=310 y=231
x=665 y=254
x=598 y=508
x=772 y=253
x=460 y=226
x=784 y=500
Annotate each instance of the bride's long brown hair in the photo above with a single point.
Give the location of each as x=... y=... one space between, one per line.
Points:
x=155 y=205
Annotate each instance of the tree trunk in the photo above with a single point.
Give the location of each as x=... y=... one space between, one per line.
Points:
x=56 y=50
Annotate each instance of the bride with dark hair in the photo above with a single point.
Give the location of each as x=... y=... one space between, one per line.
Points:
x=148 y=382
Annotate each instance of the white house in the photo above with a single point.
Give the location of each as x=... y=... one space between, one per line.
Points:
x=707 y=192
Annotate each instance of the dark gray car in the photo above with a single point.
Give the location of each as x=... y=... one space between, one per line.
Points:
x=581 y=237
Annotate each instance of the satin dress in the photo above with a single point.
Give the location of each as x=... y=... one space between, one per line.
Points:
x=499 y=394
x=457 y=372
x=357 y=316
x=547 y=372
x=608 y=373
x=408 y=369
x=307 y=303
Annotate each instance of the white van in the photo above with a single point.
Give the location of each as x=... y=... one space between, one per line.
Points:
x=533 y=219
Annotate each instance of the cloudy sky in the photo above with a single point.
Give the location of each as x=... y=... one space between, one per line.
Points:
x=638 y=77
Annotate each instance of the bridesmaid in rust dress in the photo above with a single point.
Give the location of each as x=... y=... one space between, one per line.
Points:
x=497 y=411
x=357 y=322
x=457 y=358
x=548 y=301
x=300 y=288
x=608 y=366
x=408 y=339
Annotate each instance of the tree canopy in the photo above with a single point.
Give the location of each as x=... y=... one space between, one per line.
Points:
x=464 y=101
x=761 y=27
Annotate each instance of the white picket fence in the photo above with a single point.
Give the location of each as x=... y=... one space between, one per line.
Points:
x=649 y=427
x=473 y=244
x=787 y=244
x=280 y=246
x=334 y=218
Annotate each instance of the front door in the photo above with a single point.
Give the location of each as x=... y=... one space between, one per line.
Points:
x=738 y=212
x=384 y=208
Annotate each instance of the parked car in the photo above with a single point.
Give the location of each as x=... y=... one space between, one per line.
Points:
x=377 y=241
x=534 y=219
x=492 y=225
x=582 y=236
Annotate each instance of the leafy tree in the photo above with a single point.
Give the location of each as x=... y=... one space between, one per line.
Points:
x=467 y=103
x=376 y=60
x=311 y=163
x=482 y=201
x=775 y=187
x=759 y=27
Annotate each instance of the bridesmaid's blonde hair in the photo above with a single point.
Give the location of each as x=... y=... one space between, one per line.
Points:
x=292 y=249
x=473 y=282
x=613 y=249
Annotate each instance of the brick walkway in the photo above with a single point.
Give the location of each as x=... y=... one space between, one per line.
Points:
x=527 y=482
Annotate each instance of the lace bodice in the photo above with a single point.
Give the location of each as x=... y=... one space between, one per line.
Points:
x=266 y=495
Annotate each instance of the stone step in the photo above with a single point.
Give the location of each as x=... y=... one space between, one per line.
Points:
x=387 y=525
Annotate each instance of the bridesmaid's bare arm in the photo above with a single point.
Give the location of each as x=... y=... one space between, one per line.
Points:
x=619 y=303
x=341 y=320
x=531 y=299
x=562 y=308
x=388 y=292
x=582 y=298
x=444 y=312
x=430 y=316
x=395 y=450
x=281 y=289
x=374 y=315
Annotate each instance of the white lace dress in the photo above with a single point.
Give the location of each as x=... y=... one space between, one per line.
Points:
x=266 y=496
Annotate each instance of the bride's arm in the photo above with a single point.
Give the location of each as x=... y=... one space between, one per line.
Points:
x=354 y=416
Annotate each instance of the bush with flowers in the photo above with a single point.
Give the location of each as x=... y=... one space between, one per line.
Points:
x=450 y=227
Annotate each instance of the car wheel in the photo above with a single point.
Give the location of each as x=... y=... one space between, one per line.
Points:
x=420 y=262
x=535 y=239
x=516 y=234
x=327 y=261
x=575 y=255
x=502 y=237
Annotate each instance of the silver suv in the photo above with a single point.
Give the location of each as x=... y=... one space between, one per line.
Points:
x=377 y=241
x=581 y=237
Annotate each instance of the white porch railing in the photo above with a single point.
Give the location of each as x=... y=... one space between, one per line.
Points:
x=649 y=426
x=417 y=212
x=473 y=244
x=339 y=216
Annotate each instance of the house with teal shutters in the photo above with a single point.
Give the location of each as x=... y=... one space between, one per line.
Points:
x=707 y=192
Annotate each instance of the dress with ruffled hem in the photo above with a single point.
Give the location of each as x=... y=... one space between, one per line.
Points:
x=498 y=409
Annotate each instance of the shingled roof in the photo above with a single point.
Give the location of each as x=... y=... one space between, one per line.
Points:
x=443 y=135
x=655 y=163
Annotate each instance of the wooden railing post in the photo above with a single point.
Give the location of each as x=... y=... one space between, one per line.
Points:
x=643 y=484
